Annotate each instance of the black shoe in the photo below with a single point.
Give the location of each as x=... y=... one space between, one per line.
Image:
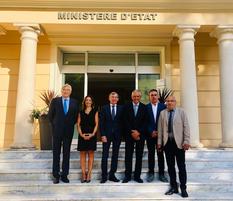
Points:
x=102 y=181
x=113 y=178
x=56 y=180
x=162 y=178
x=65 y=179
x=126 y=180
x=184 y=193
x=83 y=180
x=171 y=191
x=139 y=180
x=150 y=177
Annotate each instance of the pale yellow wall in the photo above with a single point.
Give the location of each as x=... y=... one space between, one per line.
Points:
x=42 y=80
x=9 y=67
x=207 y=62
x=207 y=81
x=9 y=62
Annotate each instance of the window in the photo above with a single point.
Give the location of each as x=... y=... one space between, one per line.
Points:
x=74 y=59
x=148 y=59
x=77 y=83
x=111 y=59
x=146 y=82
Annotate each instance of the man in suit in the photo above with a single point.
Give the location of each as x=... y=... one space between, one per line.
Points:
x=174 y=136
x=154 y=108
x=135 y=119
x=63 y=113
x=111 y=132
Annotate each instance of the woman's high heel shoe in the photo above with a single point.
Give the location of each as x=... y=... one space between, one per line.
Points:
x=83 y=179
x=88 y=178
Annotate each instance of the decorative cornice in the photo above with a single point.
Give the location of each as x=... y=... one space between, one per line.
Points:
x=187 y=28
x=168 y=5
x=32 y=27
x=223 y=33
x=186 y=32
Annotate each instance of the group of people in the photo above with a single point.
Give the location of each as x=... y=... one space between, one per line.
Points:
x=164 y=127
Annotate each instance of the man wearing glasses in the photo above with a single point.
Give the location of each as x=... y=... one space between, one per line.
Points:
x=174 y=138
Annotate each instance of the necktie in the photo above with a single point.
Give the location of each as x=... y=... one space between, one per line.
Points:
x=170 y=122
x=113 y=112
x=135 y=107
x=65 y=106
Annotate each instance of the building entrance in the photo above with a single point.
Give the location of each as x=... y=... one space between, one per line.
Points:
x=101 y=84
x=99 y=73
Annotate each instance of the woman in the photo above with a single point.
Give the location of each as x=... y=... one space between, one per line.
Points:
x=87 y=125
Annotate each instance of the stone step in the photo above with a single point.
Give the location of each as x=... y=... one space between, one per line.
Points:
x=192 y=154
x=26 y=175
x=131 y=188
x=75 y=174
x=71 y=196
x=191 y=164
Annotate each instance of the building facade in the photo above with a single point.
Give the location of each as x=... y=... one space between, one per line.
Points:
x=99 y=46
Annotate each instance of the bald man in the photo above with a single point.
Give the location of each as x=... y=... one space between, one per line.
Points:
x=174 y=138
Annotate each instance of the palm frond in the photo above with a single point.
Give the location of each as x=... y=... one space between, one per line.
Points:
x=47 y=96
x=164 y=93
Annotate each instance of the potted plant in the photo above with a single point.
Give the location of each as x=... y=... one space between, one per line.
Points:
x=44 y=124
x=164 y=93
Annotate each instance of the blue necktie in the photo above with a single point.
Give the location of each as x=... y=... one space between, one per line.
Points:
x=65 y=106
x=113 y=112
x=135 y=107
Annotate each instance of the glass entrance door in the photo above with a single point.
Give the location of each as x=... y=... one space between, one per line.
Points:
x=97 y=73
x=101 y=84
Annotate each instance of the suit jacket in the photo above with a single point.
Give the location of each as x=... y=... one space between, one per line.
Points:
x=152 y=124
x=181 y=129
x=109 y=127
x=135 y=123
x=63 y=125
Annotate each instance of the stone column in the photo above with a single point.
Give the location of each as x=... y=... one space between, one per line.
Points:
x=188 y=80
x=224 y=34
x=26 y=86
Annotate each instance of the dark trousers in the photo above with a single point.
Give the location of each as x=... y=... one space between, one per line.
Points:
x=172 y=152
x=115 y=151
x=151 y=146
x=65 y=143
x=129 y=149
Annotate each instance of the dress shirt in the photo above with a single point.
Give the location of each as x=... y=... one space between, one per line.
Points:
x=154 y=109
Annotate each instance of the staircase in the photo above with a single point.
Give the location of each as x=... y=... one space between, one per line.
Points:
x=26 y=175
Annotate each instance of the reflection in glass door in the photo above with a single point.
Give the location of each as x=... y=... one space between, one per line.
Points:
x=146 y=82
x=101 y=84
x=77 y=82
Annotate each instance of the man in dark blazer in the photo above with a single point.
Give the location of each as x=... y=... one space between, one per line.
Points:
x=111 y=132
x=63 y=113
x=154 y=108
x=135 y=119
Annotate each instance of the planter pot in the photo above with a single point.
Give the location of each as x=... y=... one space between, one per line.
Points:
x=45 y=133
